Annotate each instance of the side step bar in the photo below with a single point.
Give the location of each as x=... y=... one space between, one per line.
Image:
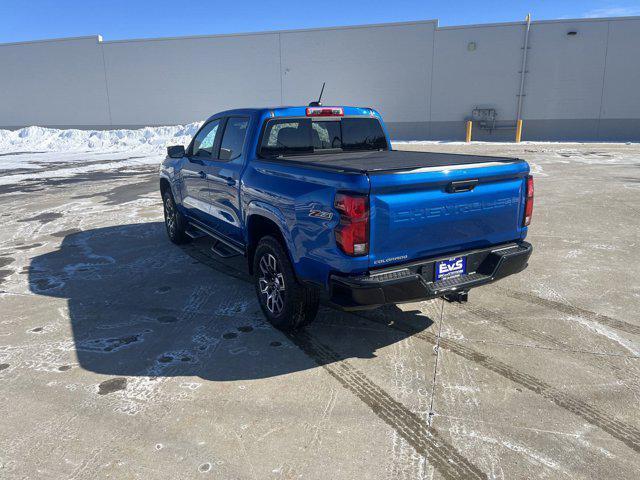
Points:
x=223 y=250
x=221 y=247
x=194 y=234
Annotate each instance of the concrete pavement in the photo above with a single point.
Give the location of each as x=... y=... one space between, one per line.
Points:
x=124 y=356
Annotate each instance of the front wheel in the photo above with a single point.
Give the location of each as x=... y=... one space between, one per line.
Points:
x=285 y=302
x=174 y=222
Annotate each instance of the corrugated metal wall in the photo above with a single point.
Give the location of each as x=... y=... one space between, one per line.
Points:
x=425 y=80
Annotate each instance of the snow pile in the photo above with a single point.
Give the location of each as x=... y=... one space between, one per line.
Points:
x=147 y=140
x=38 y=153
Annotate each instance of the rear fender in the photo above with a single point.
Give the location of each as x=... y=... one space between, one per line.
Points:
x=275 y=215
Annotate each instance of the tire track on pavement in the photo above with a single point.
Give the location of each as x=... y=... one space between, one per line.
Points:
x=571 y=310
x=443 y=456
x=627 y=434
x=602 y=359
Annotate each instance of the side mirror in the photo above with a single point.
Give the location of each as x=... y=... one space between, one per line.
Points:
x=175 y=151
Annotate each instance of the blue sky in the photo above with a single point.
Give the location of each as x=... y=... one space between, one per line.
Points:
x=22 y=20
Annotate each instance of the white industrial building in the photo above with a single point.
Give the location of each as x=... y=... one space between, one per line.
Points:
x=580 y=80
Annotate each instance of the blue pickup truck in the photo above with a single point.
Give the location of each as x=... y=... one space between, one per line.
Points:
x=321 y=206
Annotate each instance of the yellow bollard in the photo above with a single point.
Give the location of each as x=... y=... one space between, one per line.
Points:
x=518 y=131
x=469 y=127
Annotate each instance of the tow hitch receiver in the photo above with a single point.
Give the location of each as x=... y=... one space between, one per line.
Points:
x=457 y=297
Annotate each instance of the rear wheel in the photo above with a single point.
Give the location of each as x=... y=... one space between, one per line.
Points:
x=285 y=302
x=174 y=221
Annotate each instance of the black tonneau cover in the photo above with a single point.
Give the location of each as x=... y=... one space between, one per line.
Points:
x=388 y=160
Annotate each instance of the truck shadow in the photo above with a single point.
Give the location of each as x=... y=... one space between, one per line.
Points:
x=141 y=306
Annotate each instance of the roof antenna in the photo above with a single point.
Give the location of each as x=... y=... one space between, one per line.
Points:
x=318 y=103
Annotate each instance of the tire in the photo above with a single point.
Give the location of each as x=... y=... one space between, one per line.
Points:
x=174 y=221
x=287 y=304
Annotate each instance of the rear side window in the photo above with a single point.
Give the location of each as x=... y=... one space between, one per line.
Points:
x=233 y=138
x=291 y=136
x=205 y=140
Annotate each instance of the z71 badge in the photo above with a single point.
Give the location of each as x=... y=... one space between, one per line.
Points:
x=320 y=214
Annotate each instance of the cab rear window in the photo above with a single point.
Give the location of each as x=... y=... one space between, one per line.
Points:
x=295 y=136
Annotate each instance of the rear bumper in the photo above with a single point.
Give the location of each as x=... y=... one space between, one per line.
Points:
x=415 y=281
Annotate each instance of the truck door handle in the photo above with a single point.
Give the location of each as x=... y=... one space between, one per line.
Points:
x=462 y=186
x=229 y=180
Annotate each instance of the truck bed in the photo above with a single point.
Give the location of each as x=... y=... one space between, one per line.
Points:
x=389 y=160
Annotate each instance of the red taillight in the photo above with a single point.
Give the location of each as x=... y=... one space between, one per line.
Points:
x=325 y=112
x=352 y=233
x=528 y=204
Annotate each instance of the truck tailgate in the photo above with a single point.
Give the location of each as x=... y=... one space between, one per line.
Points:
x=421 y=212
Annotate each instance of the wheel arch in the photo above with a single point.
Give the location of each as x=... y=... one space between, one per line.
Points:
x=165 y=185
x=260 y=222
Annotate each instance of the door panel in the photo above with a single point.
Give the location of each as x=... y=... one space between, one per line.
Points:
x=197 y=169
x=224 y=179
